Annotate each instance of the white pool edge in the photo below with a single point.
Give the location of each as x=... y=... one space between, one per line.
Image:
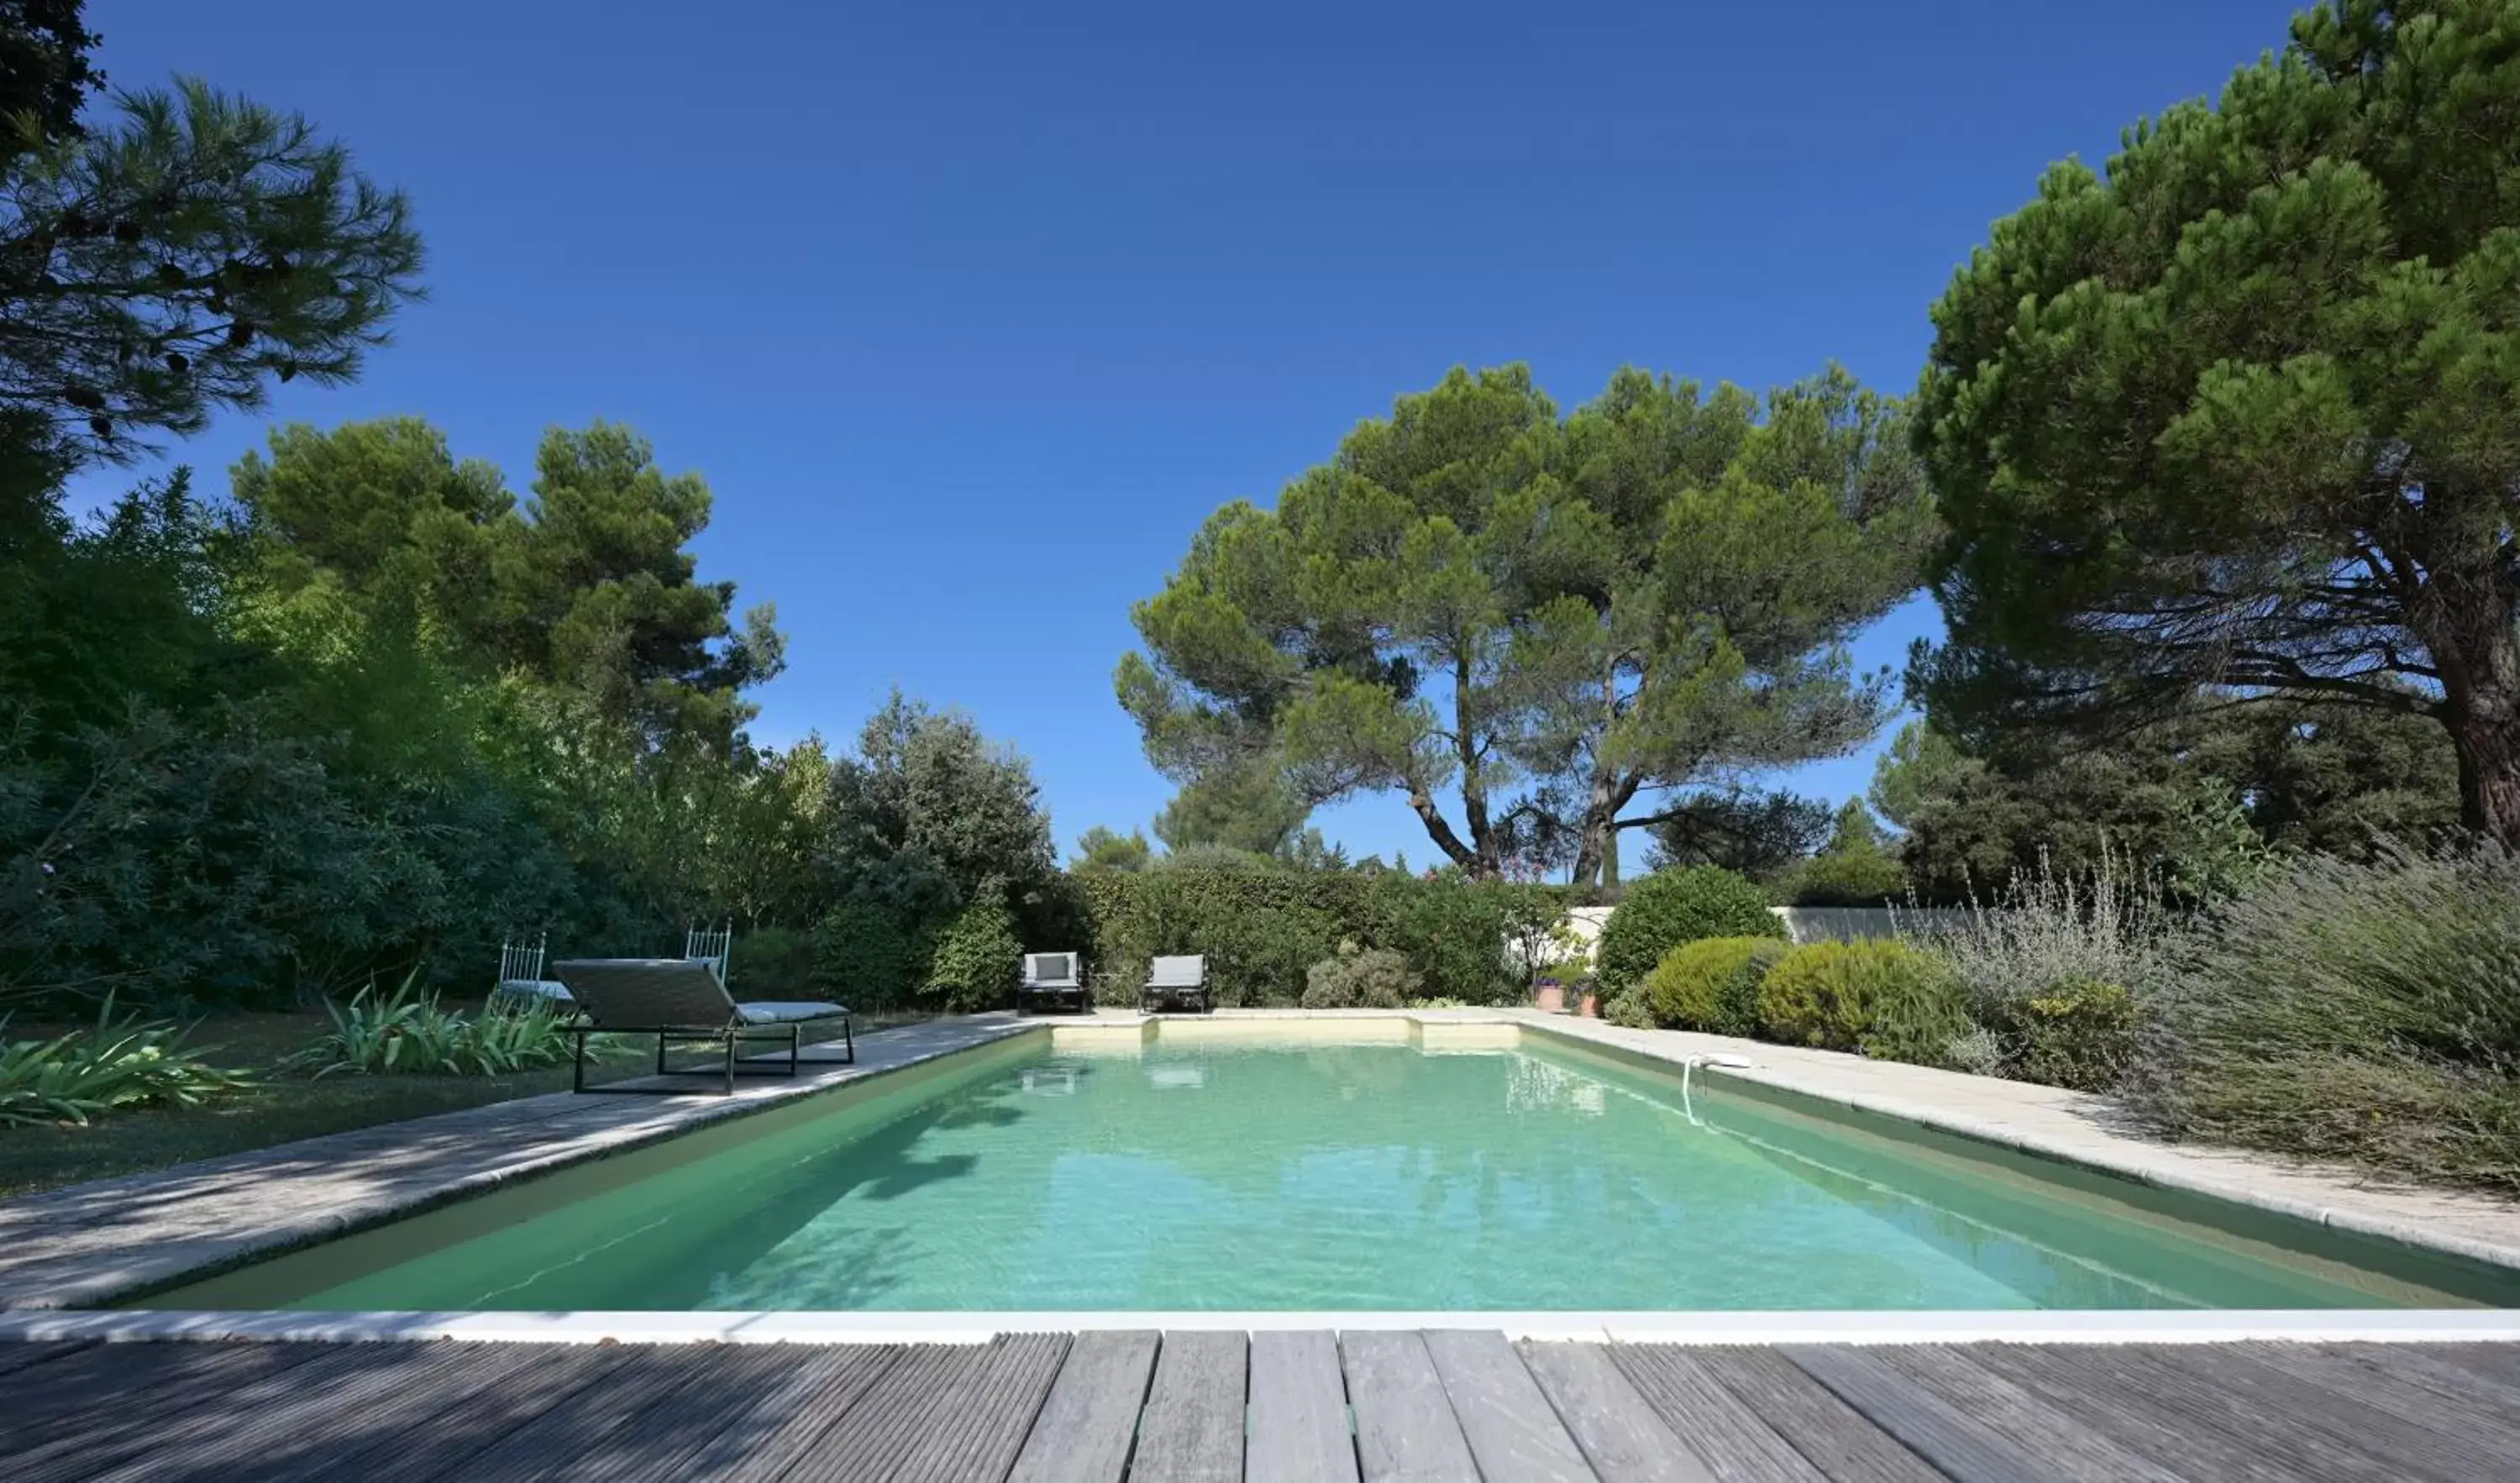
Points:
x=2064 y=1327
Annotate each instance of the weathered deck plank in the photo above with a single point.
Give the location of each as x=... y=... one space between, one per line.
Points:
x=657 y=1438
x=1933 y=1429
x=1514 y=1436
x=1728 y=1434
x=1191 y=1431
x=1298 y=1420
x=803 y=1407
x=2066 y=1448
x=347 y=1445
x=2425 y=1441
x=57 y=1434
x=222 y=1437
x=1406 y=1431
x=1832 y=1435
x=563 y=1379
x=1450 y=1404
x=1086 y=1425
x=995 y=1405
x=2184 y=1427
x=17 y=1357
x=1624 y=1439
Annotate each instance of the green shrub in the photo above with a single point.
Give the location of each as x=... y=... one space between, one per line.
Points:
x=1884 y=999
x=1845 y=877
x=861 y=956
x=83 y=1075
x=1374 y=978
x=1712 y=984
x=1455 y=931
x=1630 y=1008
x=2366 y=1011
x=1669 y=908
x=771 y=963
x=977 y=957
x=2079 y=1034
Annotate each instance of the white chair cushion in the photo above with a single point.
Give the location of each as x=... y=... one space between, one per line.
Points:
x=780 y=1012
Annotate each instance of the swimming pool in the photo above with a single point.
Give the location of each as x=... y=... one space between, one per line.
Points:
x=1375 y=1169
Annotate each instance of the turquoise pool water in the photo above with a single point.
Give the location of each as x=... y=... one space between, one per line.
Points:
x=1234 y=1176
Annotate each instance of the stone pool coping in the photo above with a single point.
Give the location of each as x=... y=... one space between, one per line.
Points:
x=2076 y=1128
x=99 y=1242
x=2401 y=1326
x=94 y=1244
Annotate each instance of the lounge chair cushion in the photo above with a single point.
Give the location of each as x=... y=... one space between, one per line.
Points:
x=780 y=1012
x=1177 y=975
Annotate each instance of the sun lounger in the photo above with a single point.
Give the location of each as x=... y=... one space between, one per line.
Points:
x=684 y=1002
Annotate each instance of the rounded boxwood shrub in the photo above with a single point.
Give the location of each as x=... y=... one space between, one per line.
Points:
x=1669 y=908
x=1884 y=999
x=1375 y=979
x=1712 y=984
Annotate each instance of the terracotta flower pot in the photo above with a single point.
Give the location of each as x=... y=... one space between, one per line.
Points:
x=1551 y=999
x=1592 y=1005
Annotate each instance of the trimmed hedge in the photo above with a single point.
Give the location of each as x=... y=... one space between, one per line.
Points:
x=1712 y=984
x=1669 y=908
x=1883 y=999
x=1262 y=927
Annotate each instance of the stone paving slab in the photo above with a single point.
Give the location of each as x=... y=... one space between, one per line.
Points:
x=2079 y=1128
x=92 y=1243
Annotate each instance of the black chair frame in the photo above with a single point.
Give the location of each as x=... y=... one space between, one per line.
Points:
x=729 y=1037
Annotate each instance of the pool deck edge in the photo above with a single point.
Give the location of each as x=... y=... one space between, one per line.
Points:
x=2409 y=1216
x=109 y=1240
x=2409 y=1326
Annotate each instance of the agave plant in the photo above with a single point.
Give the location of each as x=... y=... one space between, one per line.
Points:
x=121 y=1062
x=411 y=1033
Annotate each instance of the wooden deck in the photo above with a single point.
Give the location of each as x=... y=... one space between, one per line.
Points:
x=1300 y=1407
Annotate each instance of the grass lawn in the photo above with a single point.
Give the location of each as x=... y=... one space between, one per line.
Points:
x=45 y=1156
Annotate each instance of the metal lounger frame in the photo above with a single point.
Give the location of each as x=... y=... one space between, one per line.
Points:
x=730 y=1036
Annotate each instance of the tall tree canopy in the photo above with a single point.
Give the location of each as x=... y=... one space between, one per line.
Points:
x=1526 y=623
x=177 y=260
x=592 y=587
x=2246 y=412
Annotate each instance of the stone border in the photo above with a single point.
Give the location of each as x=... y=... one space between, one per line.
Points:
x=2326 y=1200
x=114 y=1239
x=2401 y=1326
x=120 y=1221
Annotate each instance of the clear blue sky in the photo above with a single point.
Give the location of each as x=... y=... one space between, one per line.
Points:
x=970 y=314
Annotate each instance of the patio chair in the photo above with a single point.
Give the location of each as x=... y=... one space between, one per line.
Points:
x=521 y=983
x=1176 y=981
x=683 y=1000
x=1056 y=977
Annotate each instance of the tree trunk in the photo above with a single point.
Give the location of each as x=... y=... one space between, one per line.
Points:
x=1596 y=838
x=2474 y=645
x=1440 y=830
x=2484 y=731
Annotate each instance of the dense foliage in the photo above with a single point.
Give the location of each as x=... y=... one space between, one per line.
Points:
x=1263 y=925
x=1668 y=908
x=2196 y=800
x=2356 y=1009
x=2241 y=412
x=1712 y=984
x=1886 y=999
x=1543 y=616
